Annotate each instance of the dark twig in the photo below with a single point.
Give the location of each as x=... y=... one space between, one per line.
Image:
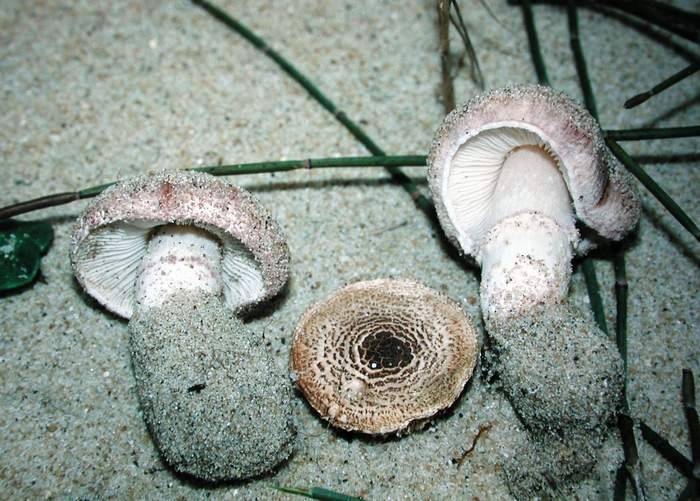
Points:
x=38 y=203
x=621 y=290
x=587 y=266
x=688 y=492
x=676 y=21
x=474 y=68
x=644 y=134
x=691 y=414
x=620 y=484
x=692 y=19
x=654 y=188
x=660 y=87
x=406 y=182
x=650 y=31
x=448 y=91
x=589 y=275
x=319 y=493
x=482 y=431
x=633 y=466
x=222 y=170
x=579 y=60
x=534 y=42
x=663 y=447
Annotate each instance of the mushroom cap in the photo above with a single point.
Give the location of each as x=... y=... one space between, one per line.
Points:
x=379 y=355
x=112 y=234
x=472 y=142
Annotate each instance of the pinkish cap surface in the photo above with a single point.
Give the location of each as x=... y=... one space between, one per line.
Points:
x=111 y=237
x=601 y=191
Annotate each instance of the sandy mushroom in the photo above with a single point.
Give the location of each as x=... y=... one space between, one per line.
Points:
x=179 y=253
x=510 y=172
x=378 y=356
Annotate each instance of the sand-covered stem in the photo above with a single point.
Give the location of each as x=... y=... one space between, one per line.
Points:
x=217 y=406
x=564 y=378
x=559 y=370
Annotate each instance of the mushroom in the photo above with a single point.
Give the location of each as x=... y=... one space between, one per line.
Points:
x=380 y=355
x=508 y=171
x=177 y=254
x=512 y=172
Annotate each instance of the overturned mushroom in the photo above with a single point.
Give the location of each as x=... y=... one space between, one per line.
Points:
x=380 y=355
x=510 y=171
x=178 y=253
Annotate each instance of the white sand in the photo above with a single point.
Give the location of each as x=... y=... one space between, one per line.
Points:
x=92 y=93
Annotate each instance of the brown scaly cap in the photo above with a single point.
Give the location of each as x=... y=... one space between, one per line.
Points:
x=111 y=235
x=380 y=355
x=601 y=191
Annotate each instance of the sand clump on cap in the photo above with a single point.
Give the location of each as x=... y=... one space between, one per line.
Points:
x=382 y=356
x=512 y=173
x=178 y=254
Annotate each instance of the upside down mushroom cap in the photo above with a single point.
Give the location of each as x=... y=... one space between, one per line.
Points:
x=380 y=355
x=111 y=237
x=470 y=146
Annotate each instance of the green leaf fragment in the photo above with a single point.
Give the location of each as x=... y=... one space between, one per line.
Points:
x=21 y=246
x=39 y=232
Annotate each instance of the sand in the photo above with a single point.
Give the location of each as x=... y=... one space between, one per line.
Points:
x=97 y=91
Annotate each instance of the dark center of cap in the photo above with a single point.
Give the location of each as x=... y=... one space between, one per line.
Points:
x=384 y=350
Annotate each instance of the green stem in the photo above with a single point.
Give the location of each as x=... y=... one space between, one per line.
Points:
x=588 y=268
x=406 y=182
x=677 y=21
x=633 y=466
x=654 y=188
x=620 y=484
x=474 y=67
x=691 y=414
x=660 y=87
x=644 y=134
x=621 y=293
x=223 y=170
x=320 y=493
x=92 y=191
x=664 y=447
x=534 y=42
x=314 y=163
x=581 y=69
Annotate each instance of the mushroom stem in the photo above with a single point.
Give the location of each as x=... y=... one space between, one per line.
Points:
x=217 y=405
x=526 y=255
x=179 y=259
